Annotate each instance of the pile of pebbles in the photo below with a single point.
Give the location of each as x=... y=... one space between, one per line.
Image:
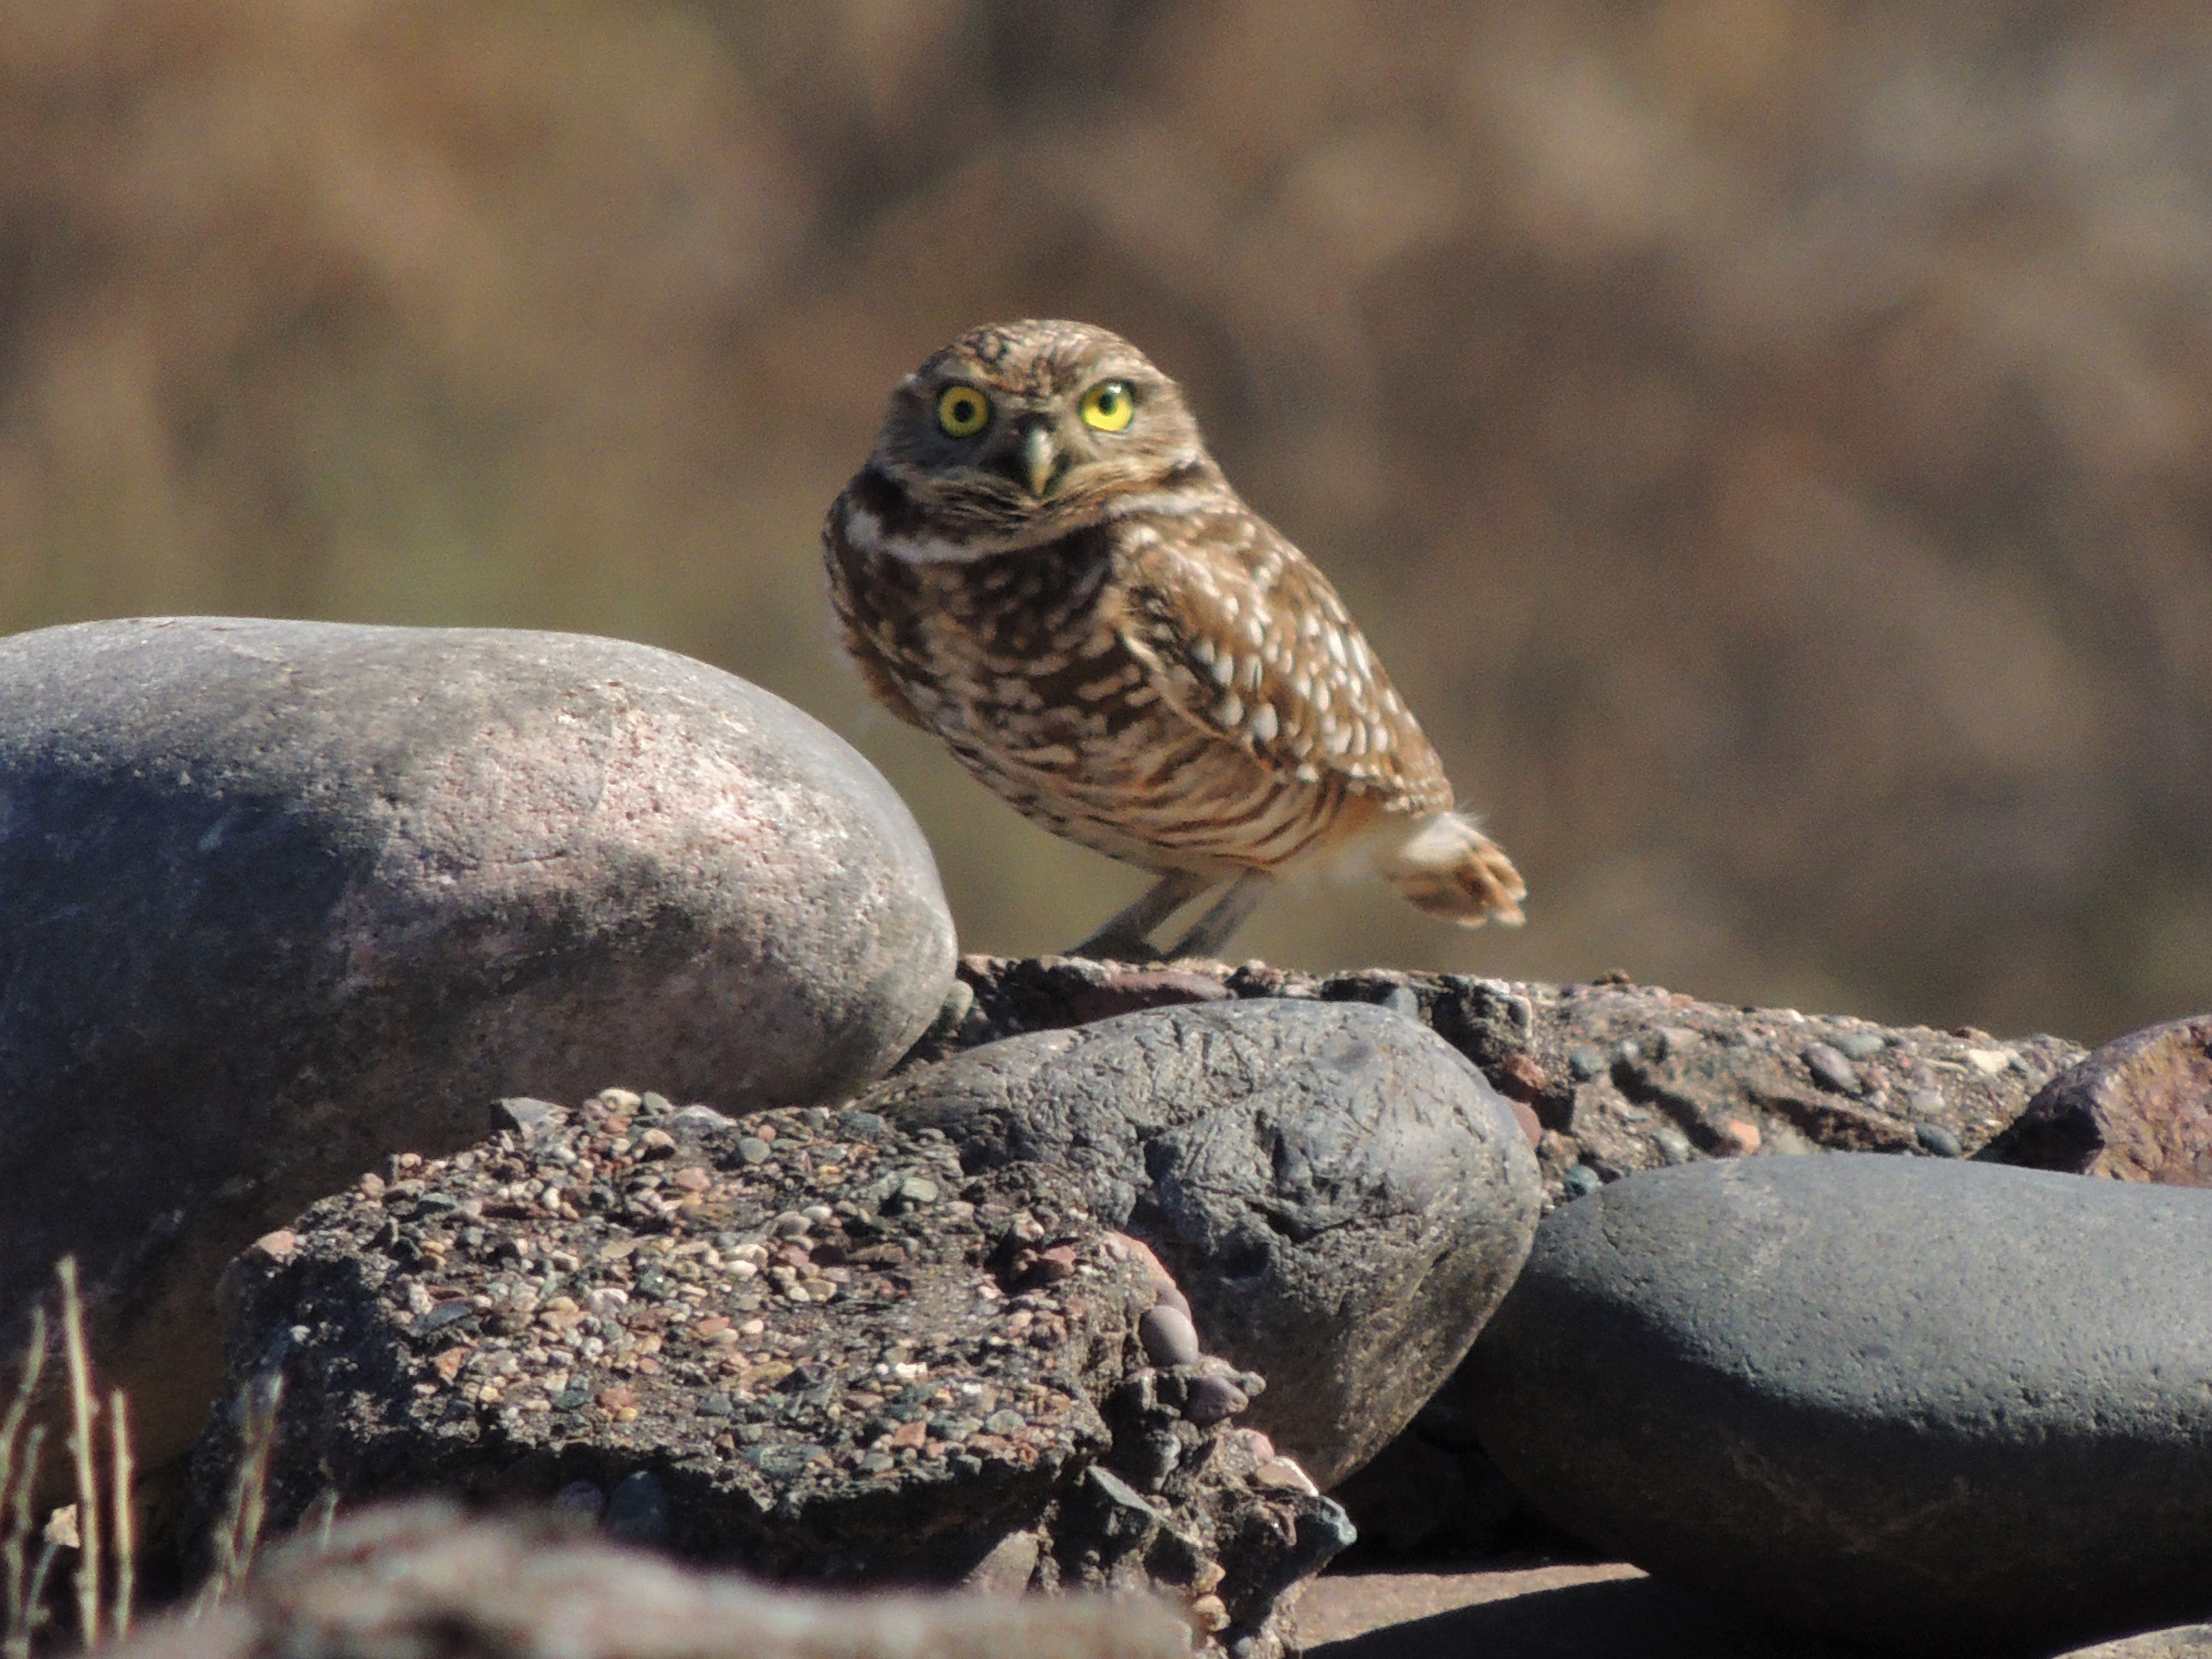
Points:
x=800 y=1340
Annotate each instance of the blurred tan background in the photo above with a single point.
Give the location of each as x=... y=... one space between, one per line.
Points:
x=1769 y=440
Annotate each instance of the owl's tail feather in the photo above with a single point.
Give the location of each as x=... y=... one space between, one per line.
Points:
x=1449 y=868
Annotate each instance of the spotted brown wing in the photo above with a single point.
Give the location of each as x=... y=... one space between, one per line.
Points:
x=1245 y=637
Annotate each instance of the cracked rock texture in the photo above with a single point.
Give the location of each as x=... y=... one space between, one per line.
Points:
x=279 y=898
x=1930 y=1407
x=800 y=1342
x=1341 y=1196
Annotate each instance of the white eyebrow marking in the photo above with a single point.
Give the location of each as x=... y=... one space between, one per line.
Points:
x=935 y=550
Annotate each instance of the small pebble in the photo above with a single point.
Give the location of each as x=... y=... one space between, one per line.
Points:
x=702 y=1117
x=1169 y=1336
x=1581 y=1180
x=1860 y=1045
x=1674 y=1145
x=1935 y=1138
x=1212 y=1398
x=1402 y=1000
x=1285 y=1476
x=1831 y=1070
x=1586 y=1063
x=753 y=1150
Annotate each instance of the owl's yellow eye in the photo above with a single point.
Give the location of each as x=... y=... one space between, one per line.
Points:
x=963 y=411
x=1109 y=405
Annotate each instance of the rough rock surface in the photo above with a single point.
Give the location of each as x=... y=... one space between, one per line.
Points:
x=2138 y=1109
x=278 y=899
x=1932 y=1407
x=1620 y=1077
x=420 y=1582
x=800 y=1341
x=1616 y=1077
x=1341 y=1196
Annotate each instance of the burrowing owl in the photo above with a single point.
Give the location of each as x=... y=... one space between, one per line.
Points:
x=1042 y=564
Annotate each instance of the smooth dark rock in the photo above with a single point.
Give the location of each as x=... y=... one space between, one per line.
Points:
x=1933 y=1406
x=637 y=1509
x=2138 y=1109
x=279 y=899
x=1341 y=1195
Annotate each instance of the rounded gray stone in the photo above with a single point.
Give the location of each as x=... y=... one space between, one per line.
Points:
x=1935 y=1407
x=279 y=898
x=1337 y=1190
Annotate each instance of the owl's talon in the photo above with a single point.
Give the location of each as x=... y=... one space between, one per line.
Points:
x=1107 y=945
x=1212 y=930
x=1126 y=936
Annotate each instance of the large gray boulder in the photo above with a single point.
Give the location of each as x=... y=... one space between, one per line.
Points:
x=1930 y=1407
x=1338 y=1191
x=279 y=899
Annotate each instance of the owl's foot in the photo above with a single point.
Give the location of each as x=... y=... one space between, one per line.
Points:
x=1127 y=936
x=1212 y=930
x=1124 y=938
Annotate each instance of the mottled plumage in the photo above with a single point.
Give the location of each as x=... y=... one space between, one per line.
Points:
x=1042 y=565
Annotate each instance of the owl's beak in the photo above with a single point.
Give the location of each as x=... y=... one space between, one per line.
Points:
x=1039 y=456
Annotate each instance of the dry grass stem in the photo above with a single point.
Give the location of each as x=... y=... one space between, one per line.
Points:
x=19 y=1473
x=35 y=1593
x=240 y=1535
x=84 y=1411
x=124 y=1528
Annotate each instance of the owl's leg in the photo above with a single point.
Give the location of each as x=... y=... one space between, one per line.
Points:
x=1212 y=931
x=1123 y=936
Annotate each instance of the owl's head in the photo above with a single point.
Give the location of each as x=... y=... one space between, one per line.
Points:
x=1018 y=433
